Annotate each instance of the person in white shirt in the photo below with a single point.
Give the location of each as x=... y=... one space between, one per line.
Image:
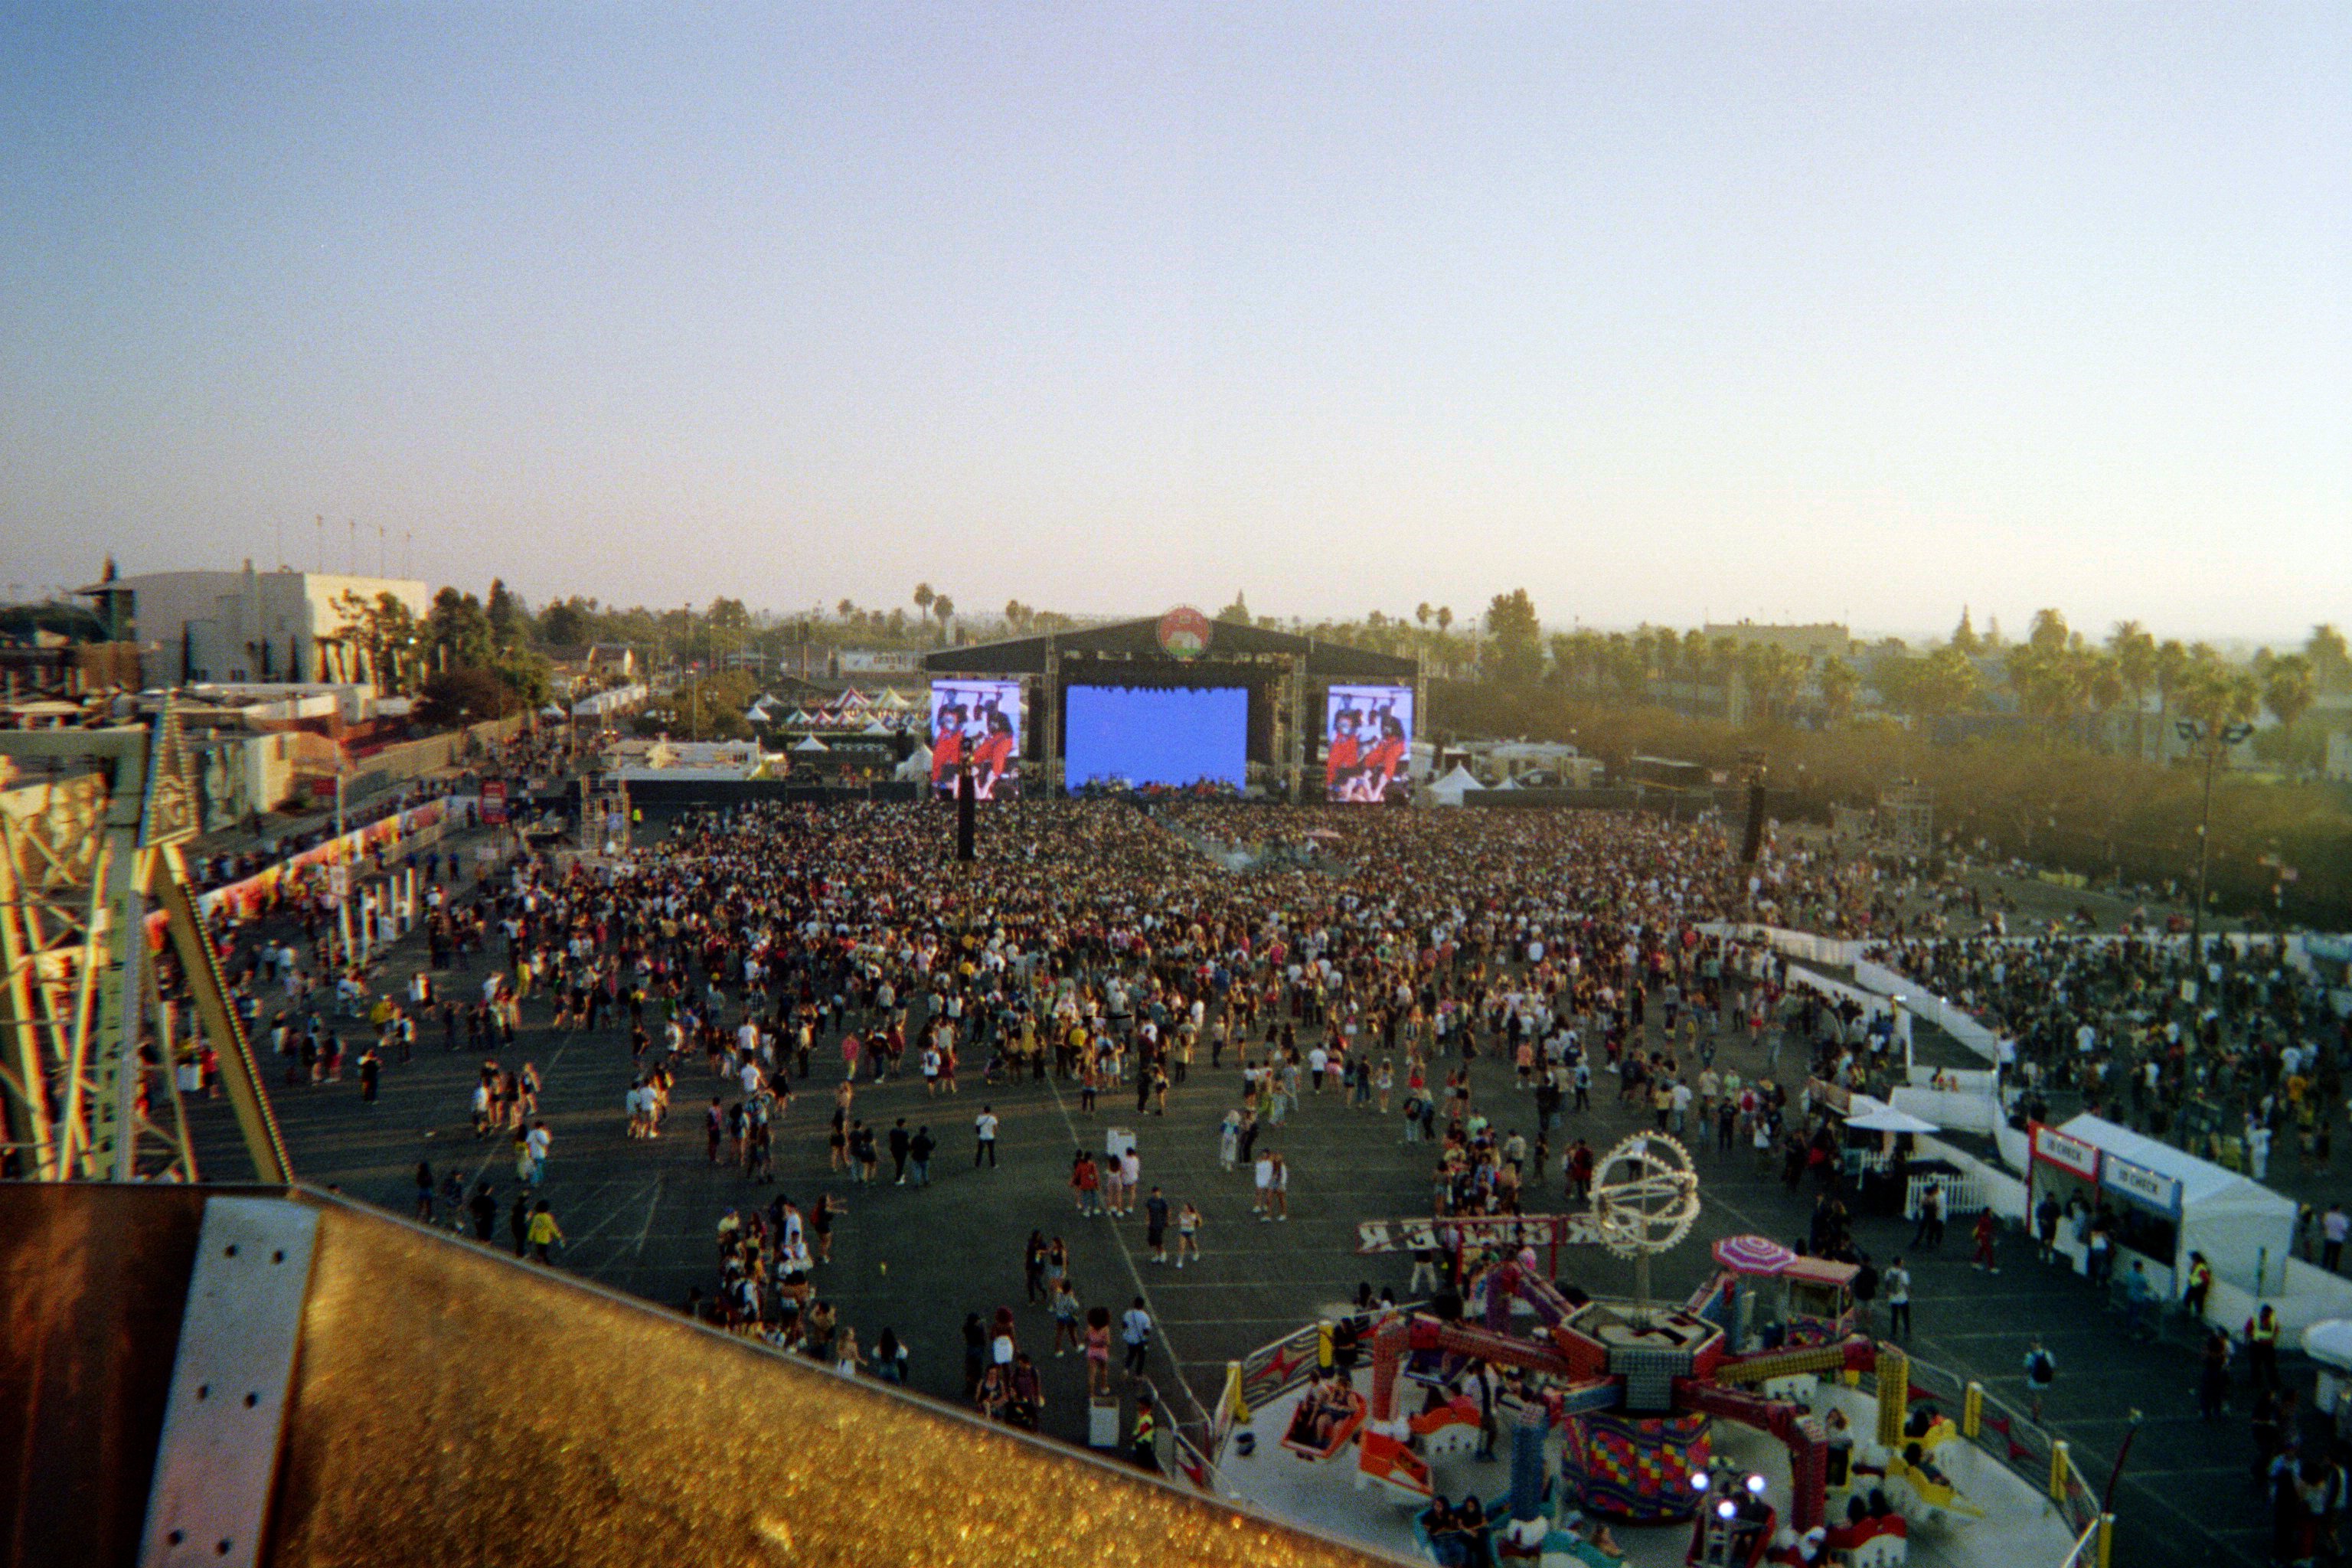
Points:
x=1265 y=1175
x=984 y=1127
x=1135 y=1333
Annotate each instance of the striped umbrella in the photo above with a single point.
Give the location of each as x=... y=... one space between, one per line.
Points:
x=1752 y=1255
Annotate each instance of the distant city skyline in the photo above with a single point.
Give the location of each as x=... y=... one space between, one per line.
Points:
x=1799 y=312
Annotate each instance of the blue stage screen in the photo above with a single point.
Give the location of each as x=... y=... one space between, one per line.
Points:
x=1150 y=735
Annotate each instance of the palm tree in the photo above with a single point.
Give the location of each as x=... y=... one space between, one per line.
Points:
x=845 y=608
x=944 y=608
x=1444 y=619
x=2135 y=654
x=923 y=597
x=1421 y=612
x=2288 y=691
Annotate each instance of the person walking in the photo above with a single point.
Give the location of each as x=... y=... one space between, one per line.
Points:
x=2334 y=1227
x=1187 y=1231
x=545 y=1233
x=1097 y=1351
x=2041 y=1372
x=918 y=1155
x=1983 y=1233
x=983 y=1129
x=1930 y=1235
x=1155 y=1225
x=902 y=1144
x=1896 y=1283
x=1135 y=1333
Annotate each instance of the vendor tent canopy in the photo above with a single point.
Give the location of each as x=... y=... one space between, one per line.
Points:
x=2237 y=1225
x=1449 y=790
x=811 y=744
x=875 y=728
x=894 y=700
x=2330 y=1343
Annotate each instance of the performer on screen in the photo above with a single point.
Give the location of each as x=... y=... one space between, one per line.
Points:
x=1387 y=755
x=992 y=759
x=1342 y=753
x=947 y=744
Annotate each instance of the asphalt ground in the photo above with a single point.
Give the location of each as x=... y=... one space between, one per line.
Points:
x=640 y=1217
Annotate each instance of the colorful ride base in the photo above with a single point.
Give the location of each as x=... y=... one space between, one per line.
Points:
x=1636 y=1469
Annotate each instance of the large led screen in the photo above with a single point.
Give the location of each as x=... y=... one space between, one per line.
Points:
x=1151 y=734
x=1368 y=742
x=977 y=722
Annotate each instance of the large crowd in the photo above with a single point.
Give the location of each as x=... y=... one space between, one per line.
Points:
x=2235 y=1052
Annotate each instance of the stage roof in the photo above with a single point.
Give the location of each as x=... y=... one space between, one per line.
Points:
x=1139 y=641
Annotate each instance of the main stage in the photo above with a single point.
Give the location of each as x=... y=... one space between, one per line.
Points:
x=1134 y=682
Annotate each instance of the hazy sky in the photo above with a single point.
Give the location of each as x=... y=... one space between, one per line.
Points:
x=1660 y=311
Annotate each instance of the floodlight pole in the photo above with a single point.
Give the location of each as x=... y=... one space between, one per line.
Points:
x=2211 y=740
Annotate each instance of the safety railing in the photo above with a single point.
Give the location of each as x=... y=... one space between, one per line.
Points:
x=2012 y=1440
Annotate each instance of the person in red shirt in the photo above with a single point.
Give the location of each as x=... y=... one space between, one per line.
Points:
x=1342 y=756
x=1387 y=755
x=1986 y=1228
x=992 y=759
x=947 y=744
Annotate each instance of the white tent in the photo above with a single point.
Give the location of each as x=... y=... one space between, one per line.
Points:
x=894 y=700
x=1448 y=790
x=811 y=744
x=875 y=728
x=2238 y=1225
x=1508 y=783
x=918 y=765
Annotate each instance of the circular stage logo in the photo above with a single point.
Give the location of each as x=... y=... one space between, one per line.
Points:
x=1184 y=633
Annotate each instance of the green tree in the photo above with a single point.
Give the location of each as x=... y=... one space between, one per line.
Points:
x=465 y=694
x=1839 y=683
x=508 y=616
x=1964 y=636
x=2331 y=661
x=1238 y=612
x=458 y=630
x=1515 y=646
x=565 y=624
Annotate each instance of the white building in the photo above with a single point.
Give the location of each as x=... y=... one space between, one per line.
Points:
x=249 y=626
